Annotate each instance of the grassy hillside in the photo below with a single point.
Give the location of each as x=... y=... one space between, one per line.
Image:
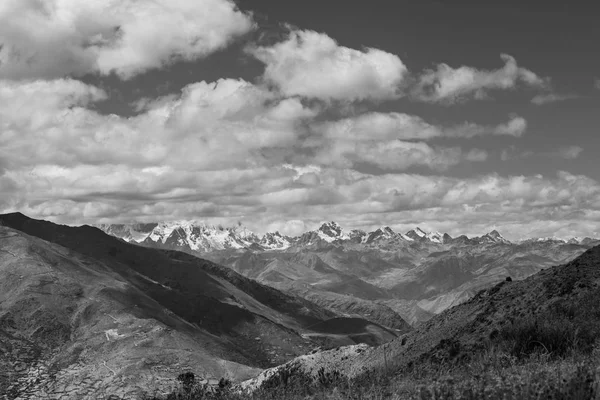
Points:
x=534 y=339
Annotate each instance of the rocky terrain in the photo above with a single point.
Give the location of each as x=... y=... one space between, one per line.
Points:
x=84 y=315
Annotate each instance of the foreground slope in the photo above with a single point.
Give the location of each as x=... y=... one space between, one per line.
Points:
x=82 y=313
x=71 y=327
x=549 y=312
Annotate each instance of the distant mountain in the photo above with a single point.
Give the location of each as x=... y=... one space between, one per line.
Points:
x=130 y=233
x=417 y=274
x=419 y=234
x=275 y=241
x=197 y=236
x=193 y=236
x=387 y=233
x=331 y=231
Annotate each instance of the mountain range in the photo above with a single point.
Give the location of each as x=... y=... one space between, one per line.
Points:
x=199 y=237
x=415 y=275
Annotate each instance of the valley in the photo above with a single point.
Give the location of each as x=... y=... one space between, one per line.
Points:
x=77 y=305
x=415 y=275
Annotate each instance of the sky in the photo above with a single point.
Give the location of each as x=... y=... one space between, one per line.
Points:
x=460 y=117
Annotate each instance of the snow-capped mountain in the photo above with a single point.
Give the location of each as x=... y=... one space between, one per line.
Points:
x=553 y=239
x=492 y=237
x=275 y=241
x=420 y=234
x=196 y=236
x=185 y=235
x=357 y=235
x=435 y=237
x=416 y=234
x=386 y=233
x=129 y=233
x=331 y=231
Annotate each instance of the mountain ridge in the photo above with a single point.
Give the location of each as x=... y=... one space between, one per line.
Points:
x=417 y=274
x=195 y=235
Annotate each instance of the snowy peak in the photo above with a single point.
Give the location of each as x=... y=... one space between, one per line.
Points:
x=419 y=234
x=416 y=233
x=556 y=240
x=435 y=237
x=358 y=235
x=496 y=236
x=185 y=235
x=275 y=241
x=161 y=232
x=128 y=232
x=383 y=233
x=331 y=231
x=493 y=237
x=200 y=237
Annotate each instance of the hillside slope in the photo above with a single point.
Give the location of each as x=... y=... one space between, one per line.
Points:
x=71 y=327
x=82 y=312
x=550 y=312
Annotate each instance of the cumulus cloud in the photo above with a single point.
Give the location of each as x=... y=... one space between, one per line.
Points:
x=223 y=150
x=169 y=167
x=389 y=126
x=225 y=123
x=57 y=38
x=450 y=85
x=313 y=65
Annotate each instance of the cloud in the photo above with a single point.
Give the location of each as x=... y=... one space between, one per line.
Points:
x=290 y=228
x=229 y=122
x=397 y=142
x=394 y=155
x=548 y=98
x=57 y=38
x=313 y=65
x=390 y=126
x=232 y=150
x=449 y=85
x=570 y=152
x=564 y=152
